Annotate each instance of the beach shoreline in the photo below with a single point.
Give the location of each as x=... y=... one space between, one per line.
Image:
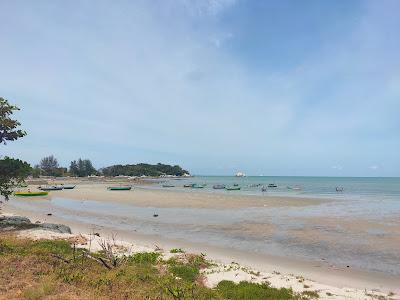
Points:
x=229 y=264
x=281 y=271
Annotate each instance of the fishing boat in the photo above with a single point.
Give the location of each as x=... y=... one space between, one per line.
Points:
x=339 y=189
x=50 y=188
x=188 y=185
x=198 y=186
x=30 y=194
x=69 y=187
x=219 y=186
x=119 y=188
x=294 y=188
x=272 y=185
x=232 y=188
x=168 y=185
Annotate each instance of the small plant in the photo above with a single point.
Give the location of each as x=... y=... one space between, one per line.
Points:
x=252 y=291
x=177 y=250
x=310 y=295
x=144 y=258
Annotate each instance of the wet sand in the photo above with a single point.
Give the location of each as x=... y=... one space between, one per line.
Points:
x=211 y=217
x=141 y=196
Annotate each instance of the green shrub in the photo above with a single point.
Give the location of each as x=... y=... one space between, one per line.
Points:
x=49 y=246
x=310 y=295
x=144 y=258
x=252 y=291
x=177 y=250
x=186 y=272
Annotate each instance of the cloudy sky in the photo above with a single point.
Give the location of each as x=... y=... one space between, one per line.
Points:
x=218 y=86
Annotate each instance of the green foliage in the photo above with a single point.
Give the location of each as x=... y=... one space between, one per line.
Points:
x=50 y=246
x=188 y=266
x=177 y=250
x=49 y=166
x=144 y=169
x=46 y=268
x=144 y=258
x=8 y=126
x=12 y=173
x=185 y=272
x=252 y=291
x=310 y=295
x=82 y=168
x=36 y=172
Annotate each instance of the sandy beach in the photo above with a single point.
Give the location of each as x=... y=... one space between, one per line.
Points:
x=90 y=208
x=142 y=196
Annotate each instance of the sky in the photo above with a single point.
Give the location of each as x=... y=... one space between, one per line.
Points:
x=302 y=88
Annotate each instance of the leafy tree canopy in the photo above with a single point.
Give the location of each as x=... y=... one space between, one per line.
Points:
x=12 y=173
x=144 y=169
x=8 y=126
x=49 y=166
x=82 y=168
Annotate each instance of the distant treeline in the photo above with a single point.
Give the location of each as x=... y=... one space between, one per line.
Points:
x=49 y=166
x=143 y=169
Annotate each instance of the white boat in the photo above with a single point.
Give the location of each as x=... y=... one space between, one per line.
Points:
x=240 y=174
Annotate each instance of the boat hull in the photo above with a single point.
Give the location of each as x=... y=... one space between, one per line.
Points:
x=51 y=189
x=30 y=194
x=69 y=187
x=234 y=188
x=120 y=188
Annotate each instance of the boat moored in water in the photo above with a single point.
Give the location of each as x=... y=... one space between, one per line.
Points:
x=198 y=186
x=272 y=185
x=233 y=188
x=219 y=186
x=168 y=185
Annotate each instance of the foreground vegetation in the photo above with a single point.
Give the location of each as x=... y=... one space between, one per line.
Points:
x=56 y=270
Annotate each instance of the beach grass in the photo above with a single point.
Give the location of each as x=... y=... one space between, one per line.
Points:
x=53 y=269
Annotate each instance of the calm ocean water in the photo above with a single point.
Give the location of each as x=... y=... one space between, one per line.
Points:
x=319 y=187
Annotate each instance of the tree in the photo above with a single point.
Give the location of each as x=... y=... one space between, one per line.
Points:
x=49 y=165
x=82 y=168
x=13 y=172
x=73 y=168
x=36 y=171
x=8 y=126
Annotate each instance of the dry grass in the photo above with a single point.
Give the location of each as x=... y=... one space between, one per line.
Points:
x=46 y=269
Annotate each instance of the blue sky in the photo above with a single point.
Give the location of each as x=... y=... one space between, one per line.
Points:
x=217 y=86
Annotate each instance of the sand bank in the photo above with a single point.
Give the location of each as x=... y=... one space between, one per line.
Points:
x=166 y=198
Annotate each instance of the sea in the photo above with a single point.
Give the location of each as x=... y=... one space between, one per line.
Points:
x=365 y=188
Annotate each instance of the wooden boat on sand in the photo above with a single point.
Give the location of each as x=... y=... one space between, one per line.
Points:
x=119 y=188
x=30 y=194
x=69 y=187
x=50 y=188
